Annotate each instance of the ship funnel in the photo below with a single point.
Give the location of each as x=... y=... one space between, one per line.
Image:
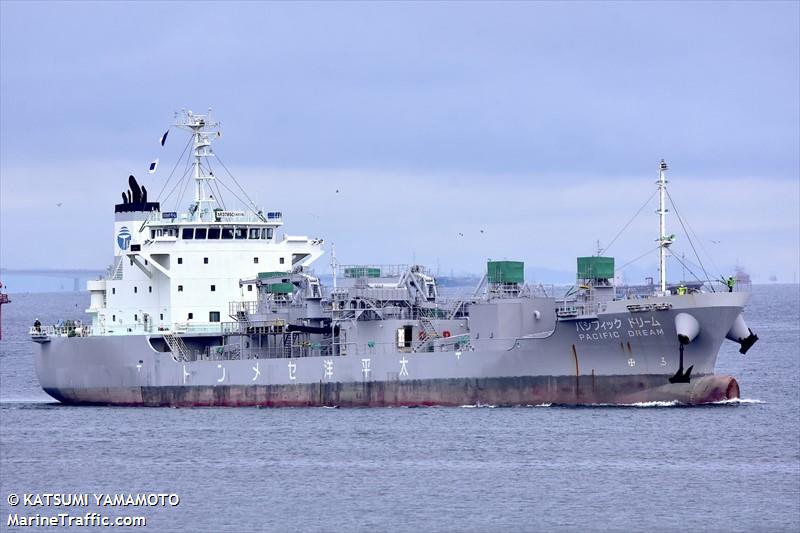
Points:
x=687 y=327
x=740 y=333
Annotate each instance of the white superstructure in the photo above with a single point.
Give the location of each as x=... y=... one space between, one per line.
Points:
x=176 y=271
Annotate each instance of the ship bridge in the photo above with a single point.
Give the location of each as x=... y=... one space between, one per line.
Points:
x=226 y=225
x=177 y=270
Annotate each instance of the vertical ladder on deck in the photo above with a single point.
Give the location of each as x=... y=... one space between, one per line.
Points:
x=176 y=345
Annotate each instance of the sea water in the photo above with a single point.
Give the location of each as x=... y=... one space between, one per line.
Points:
x=648 y=467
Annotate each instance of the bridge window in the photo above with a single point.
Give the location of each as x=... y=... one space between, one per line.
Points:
x=180 y=288
x=113 y=290
x=249 y=288
x=205 y=260
x=149 y=288
x=241 y=233
x=191 y=316
x=266 y=233
x=113 y=318
x=161 y=316
x=255 y=260
x=254 y=233
x=227 y=232
x=281 y=260
x=200 y=233
x=213 y=288
x=188 y=233
x=180 y=260
x=213 y=316
x=135 y=289
x=213 y=233
x=136 y=317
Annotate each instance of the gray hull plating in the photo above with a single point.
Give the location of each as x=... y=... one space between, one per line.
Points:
x=528 y=390
x=617 y=357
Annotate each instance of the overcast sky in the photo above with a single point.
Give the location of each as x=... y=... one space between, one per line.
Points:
x=541 y=124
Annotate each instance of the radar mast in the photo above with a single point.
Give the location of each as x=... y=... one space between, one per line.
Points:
x=664 y=240
x=203 y=129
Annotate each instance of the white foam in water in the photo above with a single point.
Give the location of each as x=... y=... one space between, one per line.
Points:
x=676 y=403
x=673 y=403
x=734 y=401
x=43 y=401
x=485 y=405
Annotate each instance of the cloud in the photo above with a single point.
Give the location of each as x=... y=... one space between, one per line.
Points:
x=539 y=123
x=450 y=219
x=417 y=86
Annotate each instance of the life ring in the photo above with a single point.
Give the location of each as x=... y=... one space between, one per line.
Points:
x=445 y=334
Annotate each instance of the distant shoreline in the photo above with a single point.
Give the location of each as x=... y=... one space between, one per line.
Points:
x=13 y=293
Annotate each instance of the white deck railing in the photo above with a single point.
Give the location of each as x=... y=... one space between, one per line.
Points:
x=88 y=330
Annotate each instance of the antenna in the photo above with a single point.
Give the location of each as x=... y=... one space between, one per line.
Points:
x=683 y=266
x=333 y=265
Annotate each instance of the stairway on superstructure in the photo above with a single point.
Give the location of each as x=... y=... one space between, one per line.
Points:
x=177 y=347
x=428 y=334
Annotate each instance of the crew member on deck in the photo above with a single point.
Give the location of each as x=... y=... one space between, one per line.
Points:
x=730 y=282
x=37 y=326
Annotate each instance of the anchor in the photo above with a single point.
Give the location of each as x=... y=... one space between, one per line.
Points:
x=680 y=376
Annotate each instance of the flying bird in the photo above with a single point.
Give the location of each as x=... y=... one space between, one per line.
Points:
x=59 y=204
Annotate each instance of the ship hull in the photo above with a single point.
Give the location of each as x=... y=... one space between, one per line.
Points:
x=524 y=391
x=614 y=358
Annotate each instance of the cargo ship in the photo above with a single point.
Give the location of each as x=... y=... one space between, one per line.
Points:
x=4 y=299
x=221 y=307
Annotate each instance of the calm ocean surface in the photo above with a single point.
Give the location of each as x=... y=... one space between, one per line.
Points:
x=732 y=467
